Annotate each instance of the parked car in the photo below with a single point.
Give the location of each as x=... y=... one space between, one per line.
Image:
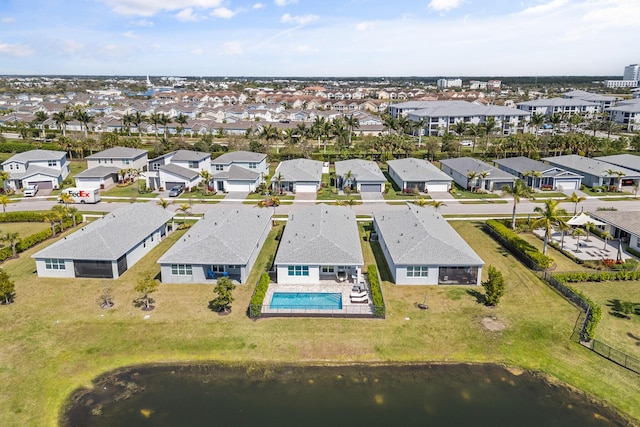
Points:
x=176 y=191
x=466 y=143
x=30 y=190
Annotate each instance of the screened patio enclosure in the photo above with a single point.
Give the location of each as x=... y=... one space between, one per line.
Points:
x=458 y=275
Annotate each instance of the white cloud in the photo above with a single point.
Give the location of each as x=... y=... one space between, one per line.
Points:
x=187 y=15
x=7 y=19
x=142 y=23
x=15 y=49
x=130 y=35
x=282 y=3
x=300 y=20
x=444 y=5
x=223 y=12
x=151 y=7
x=197 y=51
x=306 y=49
x=258 y=6
x=364 y=26
x=544 y=8
x=233 y=48
x=70 y=46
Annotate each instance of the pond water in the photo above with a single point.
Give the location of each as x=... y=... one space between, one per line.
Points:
x=436 y=395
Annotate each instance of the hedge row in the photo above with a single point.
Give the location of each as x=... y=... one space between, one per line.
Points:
x=26 y=216
x=32 y=240
x=523 y=246
x=376 y=292
x=21 y=147
x=596 y=311
x=257 y=299
x=597 y=276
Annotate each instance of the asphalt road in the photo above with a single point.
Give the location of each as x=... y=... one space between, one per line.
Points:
x=453 y=207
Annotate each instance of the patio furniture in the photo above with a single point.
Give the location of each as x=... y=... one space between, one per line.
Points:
x=360 y=299
x=359 y=287
x=358 y=294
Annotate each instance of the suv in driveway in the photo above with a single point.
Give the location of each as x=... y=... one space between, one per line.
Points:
x=176 y=191
x=30 y=190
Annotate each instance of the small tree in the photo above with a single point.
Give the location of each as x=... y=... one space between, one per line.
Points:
x=493 y=286
x=13 y=238
x=222 y=302
x=105 y=300
x=146 y=285
x=7 y=288
x=627 y=308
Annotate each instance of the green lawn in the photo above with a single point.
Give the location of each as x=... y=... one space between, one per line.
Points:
x=548 y=195
x=128 y=191
x=393 y=195
x=56 y=338
x=590 y=191
x=23 y=229
x=198 y=194
x=563 y=262
x=461 y=193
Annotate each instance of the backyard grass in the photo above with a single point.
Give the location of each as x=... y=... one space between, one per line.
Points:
x=56 y=338
x=128 y=191
x=563 y=262
x=23 y=229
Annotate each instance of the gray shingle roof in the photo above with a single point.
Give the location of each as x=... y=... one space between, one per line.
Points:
x=180 y=171
x=299 y=170
x=35 y=170
x=523 y=164
x=110 y=237
x=464 y=165
x=421 y=236
x=189 y=156
x=239 y=156
x=216 y=239
x=629 y=161
x=457 y=109
x=589 y=166
x=558 y=102
x=321 y=234
x=411 y=169
x=36 y=155
x=118 y=153
x=237 y=173
x=362 y=170
x=98 y=172
x=628 y=221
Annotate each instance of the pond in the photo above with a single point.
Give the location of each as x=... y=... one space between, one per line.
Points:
x=438 y=395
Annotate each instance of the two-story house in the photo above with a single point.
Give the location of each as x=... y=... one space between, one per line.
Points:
x=239 y=171
x=45 y=168
x=182 y=167
x=107 y=167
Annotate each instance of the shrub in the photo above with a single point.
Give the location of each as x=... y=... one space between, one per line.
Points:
x=531 y=252
x=257 y=299
x=376 y=291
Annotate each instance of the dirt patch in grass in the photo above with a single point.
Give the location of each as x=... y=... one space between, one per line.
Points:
x=493 y=324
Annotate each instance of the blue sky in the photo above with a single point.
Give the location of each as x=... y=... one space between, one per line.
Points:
x=319 y=37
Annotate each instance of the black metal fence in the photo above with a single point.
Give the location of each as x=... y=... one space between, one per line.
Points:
x=363 y=312
x=616 y=356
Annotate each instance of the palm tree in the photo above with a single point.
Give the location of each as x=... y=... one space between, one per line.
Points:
x=72 y=211
x=619 y=174
x=184 y=208
x=348 y=179
x=50 y=218
x=589 y=227
x=352 y=123
x=182 y=120
x=483 y=178
x=206 y=177
x=270 y=133
x=165 y=120
x=390 y=123
x=163 y=203
x=460 y=128
x=61 y=120
x=421 y=202
x=606 y=236
x=420 y=128
x=316 y=128
x=518 y=191
x=437 y=204
x=551 y=216
x=137 y=120
x=326 y=132
x=126 y=122
x=84 y=118
x=66 y=198
x=575 y=199
x=4 y=201
x=40 y=118
x=4 y=176
x=564 y=228
x=278 y=181
x=155 y=119
x=533 y=175
x=577 y=232
x=489 y=126
x=537 y=120
x=472 y=176
x=13 y=239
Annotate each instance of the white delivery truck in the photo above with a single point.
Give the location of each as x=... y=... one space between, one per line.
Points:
x=80 y=195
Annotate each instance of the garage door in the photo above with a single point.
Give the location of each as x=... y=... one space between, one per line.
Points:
x=238 y=186
x=42 y=185
x=306 y=188
x=497 y=185
x=437 y=187
x=370 y=188
x=170 y=185
x=567 y=185
x=88 y=182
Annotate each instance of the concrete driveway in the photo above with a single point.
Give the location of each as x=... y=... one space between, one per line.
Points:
x=236 y=195
x=305 y=197
x=371 y=196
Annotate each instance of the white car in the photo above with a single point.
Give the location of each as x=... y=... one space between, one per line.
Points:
x=30 y=190
x=466 y=143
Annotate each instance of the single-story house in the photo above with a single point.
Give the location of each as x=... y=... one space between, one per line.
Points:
x=321 y=242
x=98 y=177
x=623 y=225
x=120 y=157
x=595 y=173
x=181 y=167
x=365 y=175
x=540 y=175
x=487 y=177
x=298 y=176
x=107 y=247
x=45 y=168
x=411 y=173
x=223 y=243
x=421 y=248
x=628 y=161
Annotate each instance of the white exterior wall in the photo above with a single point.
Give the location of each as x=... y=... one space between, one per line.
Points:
x=141 y=249
x=68 y=272
x=303 y=187
x=394 y=176
x=634 y=242
x=40 y=178
x=165 y=177
x=139 y=163
x=284 y=279
x=400 y=276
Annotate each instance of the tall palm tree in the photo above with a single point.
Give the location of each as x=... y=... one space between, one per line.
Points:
x=182 y=120
x=165 y=121
x=420 y=124
x=471 y=179
x=474 y=130
x=483 y=178
x=326 y=132
x=84 y=118
x=137 y=119
x=577 y=232
x=269 y=134
x=278 y=181
x=61 y=120
x=575 y=199
x=390 y=123
x=40 y=118
x=589 y=227
x=619 y=174
x=72 y=211
x=489 y=127
x=13 y=238
x=352 y=124
x=606 y=236
x=206 y=177
x=518 y=191
x=155 y=119
x=460 y=128
x=551 y=216
x=316 y=128
x=4 y=201
x=537 y=120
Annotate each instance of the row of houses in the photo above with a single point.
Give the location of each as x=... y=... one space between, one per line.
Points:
x=319 y=243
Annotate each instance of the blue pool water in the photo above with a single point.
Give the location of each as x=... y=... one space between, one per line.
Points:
x=306 y=300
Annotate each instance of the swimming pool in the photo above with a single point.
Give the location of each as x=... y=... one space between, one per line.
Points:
x=306 y=300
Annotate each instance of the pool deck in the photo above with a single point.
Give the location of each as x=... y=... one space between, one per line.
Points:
x=349 y=309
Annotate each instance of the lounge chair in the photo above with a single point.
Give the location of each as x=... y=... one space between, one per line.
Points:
x=358 y=294
x=360 y=299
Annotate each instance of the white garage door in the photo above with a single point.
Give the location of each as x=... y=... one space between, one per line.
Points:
x=239 y=186
x=306 y=188
x=42 y=184
x=88 y=182
x=437 y=186
x=370 y=188
x=567 y=185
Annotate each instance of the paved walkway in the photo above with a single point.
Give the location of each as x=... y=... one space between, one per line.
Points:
x=592 y=250
x=236 y=195
x=305 y=197
x=441 y=195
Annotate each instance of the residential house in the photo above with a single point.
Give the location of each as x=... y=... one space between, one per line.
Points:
x=239 y=171
x=418 y=174
x=104 y=168
x=540 y=175
x=321 y=242
x=107 y=247
x=298 y=176
x=595 y=173
x=470 y=173
x=364 y=175
x=225 y=243
x=628 y=161
x=627 y=114
x=551 y=106
x=421 y=248
x=45 y=168
x=623 y=225
x=182 y=167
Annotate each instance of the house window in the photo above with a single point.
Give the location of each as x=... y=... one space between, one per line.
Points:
x=327 y=268
x=52 y=163
x=417 y=271
x=298 y=270
x=156 y=166
x=253 y=165
x=54 y=264
x=125 y=161
x=219 y=167
x=181 y=269
x=193 y=165
x=638 y=242
x=217 y=268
